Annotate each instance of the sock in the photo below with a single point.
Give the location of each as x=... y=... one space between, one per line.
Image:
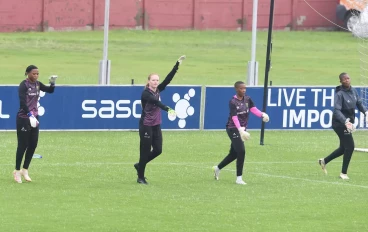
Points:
x=239 y=178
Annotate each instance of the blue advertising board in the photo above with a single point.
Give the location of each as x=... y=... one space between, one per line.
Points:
x=119 y=108
x=288 y=107
x=102 y=107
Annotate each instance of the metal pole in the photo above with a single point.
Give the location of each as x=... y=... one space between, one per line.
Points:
x=106 y=29
x=268 y=66
x=254 y=30
x=104 y=79
x=252 y=79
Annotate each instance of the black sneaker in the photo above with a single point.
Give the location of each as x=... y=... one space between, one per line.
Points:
x=142 y=181
x=136 y=166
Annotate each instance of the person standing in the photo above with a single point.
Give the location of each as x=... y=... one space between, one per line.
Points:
x=343 y=118
x=150 y=122
x=240 y=106
x=27 y=121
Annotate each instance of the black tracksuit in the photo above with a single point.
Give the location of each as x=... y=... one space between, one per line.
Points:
x=150 y=123
x=346 y=100
x=239 y=108
x=29 y=93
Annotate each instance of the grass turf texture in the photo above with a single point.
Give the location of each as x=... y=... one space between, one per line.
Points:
x=86 y=182
x=214 y=57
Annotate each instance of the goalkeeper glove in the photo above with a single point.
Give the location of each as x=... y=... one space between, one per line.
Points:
x=171 y=112
x=349 y=126
x=243 y=134
x=181 y=59
x=265 y=117
x=33 y=120
x=52 y=79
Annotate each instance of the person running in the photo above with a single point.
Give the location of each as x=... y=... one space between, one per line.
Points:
x=240 y=106
x=343 y=118
x=27 y=121
x=150 y=122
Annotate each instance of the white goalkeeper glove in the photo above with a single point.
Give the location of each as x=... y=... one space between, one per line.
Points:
x=181 y=59
x=243 y=134
x=33 y=120
x=349 y=126
x=171 y=112
x=265 y=117
x=52 y=79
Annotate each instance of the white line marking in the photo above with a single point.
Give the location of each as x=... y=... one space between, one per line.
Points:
x=341 y=183
x=176 y=163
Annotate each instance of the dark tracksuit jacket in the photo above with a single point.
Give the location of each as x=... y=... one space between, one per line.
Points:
x=345 y=102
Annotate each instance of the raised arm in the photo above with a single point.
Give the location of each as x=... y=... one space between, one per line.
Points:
x=47 y=89
x=51 y=88
x=161 y=87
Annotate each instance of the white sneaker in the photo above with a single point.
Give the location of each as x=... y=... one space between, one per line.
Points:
x=17 y=176
x=344 y=176
x=24 y=173
x=323 y=165
x=240 y=182
x=216 y=172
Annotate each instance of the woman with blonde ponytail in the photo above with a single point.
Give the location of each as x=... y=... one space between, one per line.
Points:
x=150 y=122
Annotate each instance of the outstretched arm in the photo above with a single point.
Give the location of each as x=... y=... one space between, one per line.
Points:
x=51 y=88
x=161 y=87
x=254 y=110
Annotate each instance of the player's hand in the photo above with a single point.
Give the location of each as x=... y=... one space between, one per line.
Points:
x=33 y=120
x=243 y=134
x=265 y=117
x=171 y=112
x=349 y=126
x=181 y=59
x=52 y=79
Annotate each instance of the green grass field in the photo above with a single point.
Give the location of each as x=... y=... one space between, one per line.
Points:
x=214 y=57
x=86 y=180
x=79 y=186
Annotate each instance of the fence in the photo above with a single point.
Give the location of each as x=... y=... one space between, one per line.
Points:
x=42 y=15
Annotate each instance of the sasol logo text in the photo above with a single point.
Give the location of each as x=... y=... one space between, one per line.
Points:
x=110 y=109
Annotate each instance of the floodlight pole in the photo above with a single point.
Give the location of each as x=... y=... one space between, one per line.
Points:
x=268 y=66
x=252 y=64
x=105 y=64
